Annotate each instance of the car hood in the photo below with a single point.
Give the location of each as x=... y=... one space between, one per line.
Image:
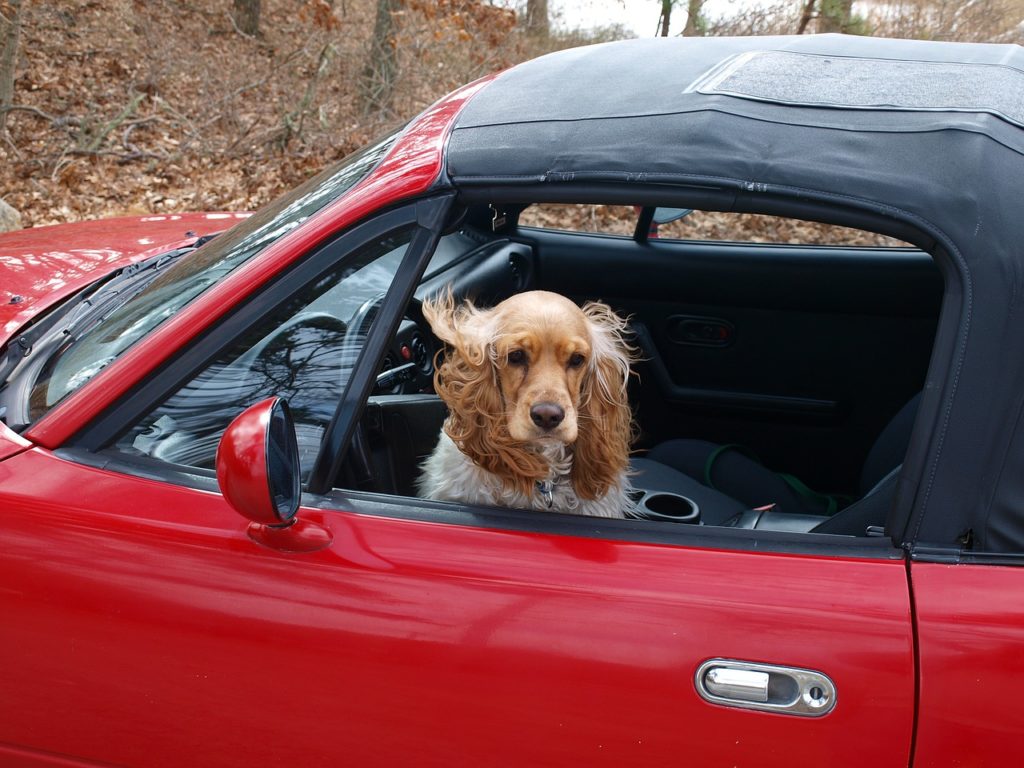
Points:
x=42 y=265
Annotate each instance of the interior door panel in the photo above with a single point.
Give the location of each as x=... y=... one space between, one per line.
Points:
x=801 y=354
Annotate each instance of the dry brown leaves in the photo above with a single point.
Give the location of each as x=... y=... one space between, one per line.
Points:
x=130 y=107
x=157 y=106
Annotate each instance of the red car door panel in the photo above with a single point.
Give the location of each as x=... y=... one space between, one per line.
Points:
x=970 y=625
x=148 y=619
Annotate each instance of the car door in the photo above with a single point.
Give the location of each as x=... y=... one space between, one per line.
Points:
x=148 y=629
x=144 y=626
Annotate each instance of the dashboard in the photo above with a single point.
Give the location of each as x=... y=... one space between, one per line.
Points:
x=408 y=364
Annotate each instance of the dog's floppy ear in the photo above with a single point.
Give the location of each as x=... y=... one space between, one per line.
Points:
x=606 y=431
x=467 y=381
x=461 y=327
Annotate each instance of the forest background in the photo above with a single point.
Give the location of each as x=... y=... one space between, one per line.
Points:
x=123 y=107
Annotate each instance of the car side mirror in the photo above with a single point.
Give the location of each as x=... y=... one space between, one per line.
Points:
x=258 y=473
x=668 y=215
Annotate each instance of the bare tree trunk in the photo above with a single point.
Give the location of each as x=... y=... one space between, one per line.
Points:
x=666 y=16
x=246 y=15
x=805 y=17
x=538 y=22
x=693 y=9
x=10 y=33
x=378 y=81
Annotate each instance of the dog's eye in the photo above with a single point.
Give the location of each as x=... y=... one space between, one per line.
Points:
x=577 y=360
x=516 y=357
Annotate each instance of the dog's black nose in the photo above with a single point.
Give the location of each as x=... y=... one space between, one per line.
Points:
x=547 y=415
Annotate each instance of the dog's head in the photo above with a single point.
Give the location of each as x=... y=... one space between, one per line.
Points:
x=535 y=371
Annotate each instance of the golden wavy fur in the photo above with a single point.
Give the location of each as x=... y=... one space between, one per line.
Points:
x=536 y=391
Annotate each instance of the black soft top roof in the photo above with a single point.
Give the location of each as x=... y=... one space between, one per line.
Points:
x=923 y=140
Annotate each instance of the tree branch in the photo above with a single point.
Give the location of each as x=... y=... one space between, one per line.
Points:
x=128 y=110
x=31 y=110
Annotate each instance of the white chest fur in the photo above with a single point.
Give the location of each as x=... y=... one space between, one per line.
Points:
x=449 y=475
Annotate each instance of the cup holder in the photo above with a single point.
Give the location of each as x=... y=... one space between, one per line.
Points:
x=666 y=507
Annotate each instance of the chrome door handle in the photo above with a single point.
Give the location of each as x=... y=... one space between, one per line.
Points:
x=739 y=684
x=768 y=687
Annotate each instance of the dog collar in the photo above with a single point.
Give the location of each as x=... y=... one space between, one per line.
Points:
x=546 y=489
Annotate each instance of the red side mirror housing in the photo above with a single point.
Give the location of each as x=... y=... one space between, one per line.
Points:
x=258 y=463
x=258 y=473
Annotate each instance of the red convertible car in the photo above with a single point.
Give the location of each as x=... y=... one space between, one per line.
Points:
x=212 y=553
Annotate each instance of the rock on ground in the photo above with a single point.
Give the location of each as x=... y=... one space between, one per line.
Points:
x=9 y=218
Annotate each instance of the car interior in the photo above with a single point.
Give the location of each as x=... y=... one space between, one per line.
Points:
x=779 y=360
x=778 y=383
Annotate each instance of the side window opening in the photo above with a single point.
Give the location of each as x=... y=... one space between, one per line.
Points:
x=790 y=390
x=598 y=219
x=784 y=376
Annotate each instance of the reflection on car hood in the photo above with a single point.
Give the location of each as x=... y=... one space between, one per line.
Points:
x=41 y=266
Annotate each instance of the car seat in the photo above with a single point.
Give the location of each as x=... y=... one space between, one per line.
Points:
x=727 y=482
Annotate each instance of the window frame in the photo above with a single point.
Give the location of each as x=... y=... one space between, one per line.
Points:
x=819 y=207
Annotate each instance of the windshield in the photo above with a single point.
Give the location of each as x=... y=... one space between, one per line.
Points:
x=99 y=340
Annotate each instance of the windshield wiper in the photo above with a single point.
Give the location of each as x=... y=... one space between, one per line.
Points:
x=86 y=308
x=117 y=290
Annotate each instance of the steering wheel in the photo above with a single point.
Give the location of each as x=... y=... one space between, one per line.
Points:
x=359 y=465
x=392 y=379
x=301 y=363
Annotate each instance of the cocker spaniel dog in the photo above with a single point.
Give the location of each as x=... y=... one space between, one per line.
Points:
x=538 y=414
